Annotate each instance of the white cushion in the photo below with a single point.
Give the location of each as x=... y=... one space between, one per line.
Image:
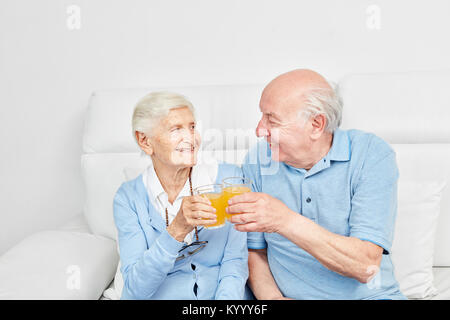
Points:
x=103 y=175
x=429 y=162
x=422 y=183
x=58 y=265
x=413 y=247
x=407 y=107
x=76 y=224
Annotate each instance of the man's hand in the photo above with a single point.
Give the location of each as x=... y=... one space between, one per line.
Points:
x=258 y=212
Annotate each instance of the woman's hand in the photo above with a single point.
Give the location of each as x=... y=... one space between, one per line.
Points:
x=194 y=211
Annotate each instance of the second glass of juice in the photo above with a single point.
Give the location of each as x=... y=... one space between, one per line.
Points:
x=214 y=193
x=234 y=186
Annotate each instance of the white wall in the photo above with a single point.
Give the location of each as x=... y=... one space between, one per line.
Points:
x=47 y=70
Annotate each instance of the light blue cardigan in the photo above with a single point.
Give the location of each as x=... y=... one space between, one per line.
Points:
x=148 y=252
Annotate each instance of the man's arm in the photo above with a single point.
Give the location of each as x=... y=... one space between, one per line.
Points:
x=348 y=256
x=260 y=278
x=371 y=221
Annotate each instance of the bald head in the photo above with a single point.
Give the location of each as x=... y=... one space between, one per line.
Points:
x=302 y=92
x=300 y=111
x=294 y=84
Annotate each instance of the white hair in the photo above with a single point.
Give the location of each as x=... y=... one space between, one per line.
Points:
x=153 y=107
x=324 y=101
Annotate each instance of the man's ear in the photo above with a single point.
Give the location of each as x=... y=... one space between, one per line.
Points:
x=144 y=142
x=318 y=124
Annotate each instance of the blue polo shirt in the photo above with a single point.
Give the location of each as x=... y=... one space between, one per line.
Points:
x=352 y=191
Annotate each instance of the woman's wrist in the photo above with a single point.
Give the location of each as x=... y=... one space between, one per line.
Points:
x=177 y=232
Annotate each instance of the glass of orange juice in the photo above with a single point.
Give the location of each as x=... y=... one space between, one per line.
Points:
x=234 y=186
x=213 y=192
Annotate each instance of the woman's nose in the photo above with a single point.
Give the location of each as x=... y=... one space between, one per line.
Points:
x=196 y=138
x=190 y=136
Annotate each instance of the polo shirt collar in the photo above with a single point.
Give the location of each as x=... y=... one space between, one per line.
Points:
x=340 y=148
x=339 y=151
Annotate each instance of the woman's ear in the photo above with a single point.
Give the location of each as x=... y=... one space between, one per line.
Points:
x=144 y=142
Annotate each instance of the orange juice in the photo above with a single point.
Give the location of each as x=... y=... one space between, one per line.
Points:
x=219 y=204
x=230 y=192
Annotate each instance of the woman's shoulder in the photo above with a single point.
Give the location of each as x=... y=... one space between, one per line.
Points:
x=129 y=189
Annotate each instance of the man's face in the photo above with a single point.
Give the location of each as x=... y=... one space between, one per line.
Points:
x=284 y=128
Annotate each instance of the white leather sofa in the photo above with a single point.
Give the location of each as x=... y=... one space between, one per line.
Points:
x=409 y=110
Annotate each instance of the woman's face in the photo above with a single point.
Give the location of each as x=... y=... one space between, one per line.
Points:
x=175 y=141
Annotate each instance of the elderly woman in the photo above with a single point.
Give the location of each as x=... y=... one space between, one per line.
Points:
x=165 y=250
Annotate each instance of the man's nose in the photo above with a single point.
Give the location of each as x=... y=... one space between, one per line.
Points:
x=261 y=130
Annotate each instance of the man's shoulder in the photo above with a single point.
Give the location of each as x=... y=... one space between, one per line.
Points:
x=258 y=152
x=229 y=169
x=369 y=151
x=368 y=143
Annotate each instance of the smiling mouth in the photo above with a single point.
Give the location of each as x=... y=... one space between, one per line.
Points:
x=191 y=149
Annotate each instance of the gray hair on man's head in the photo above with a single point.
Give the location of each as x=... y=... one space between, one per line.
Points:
x=155 y=106
x=324 y=101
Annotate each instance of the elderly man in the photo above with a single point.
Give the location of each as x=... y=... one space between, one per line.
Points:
x=322 y=216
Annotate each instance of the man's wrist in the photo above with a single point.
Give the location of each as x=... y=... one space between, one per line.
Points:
x=304 y=232
x=297 y=229
x=290 y=219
